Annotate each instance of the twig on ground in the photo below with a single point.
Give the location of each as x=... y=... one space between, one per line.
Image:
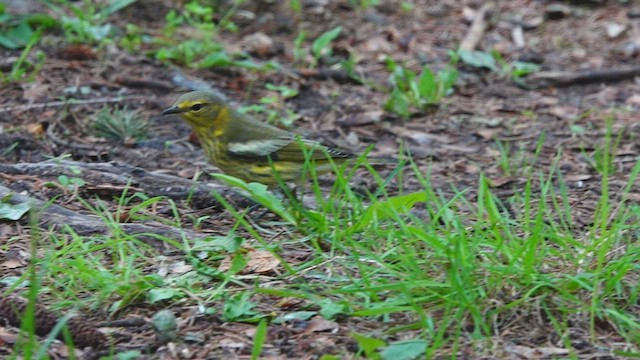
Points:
x=84 y=225
x=323 y=74
x=103 y=100
x=110 y=179
x=478 y=28
x=567 y=78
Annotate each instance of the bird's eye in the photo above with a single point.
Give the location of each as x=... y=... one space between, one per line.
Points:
x=196 y=107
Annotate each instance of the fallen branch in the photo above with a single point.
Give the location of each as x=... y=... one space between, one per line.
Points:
x=339 y=76
x=52 y=215
x=110 y=179
x=71 y=102
x=478 y=28
x=566 y=78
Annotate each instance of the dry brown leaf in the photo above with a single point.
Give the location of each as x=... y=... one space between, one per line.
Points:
x=13 y=264
x=633 y=100
x=261 y=261
x=563 y=111
x=258 y=262
x=36 y=130
x=377 y=44
x=319 y=324
x=487 y=134
x=498 y=182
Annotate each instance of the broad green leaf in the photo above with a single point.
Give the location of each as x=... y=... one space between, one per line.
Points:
x=448 y=78
x=329 y=309
x=404 y=350
x=521 y=68
x=322 y=42
x=160 y=294
x=427 y=86
x=216 y=59
x=238 y=262
x=8 y=43
x=17 y=36
x=299 y=315
x=238 y=306
x=478 y=59
x=398 y=103
x=13 y=212
x=369 y=345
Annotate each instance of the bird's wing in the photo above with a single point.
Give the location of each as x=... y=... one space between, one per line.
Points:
x=258 y=148
x=285 y=148
x=259 y=140
x=293 y=151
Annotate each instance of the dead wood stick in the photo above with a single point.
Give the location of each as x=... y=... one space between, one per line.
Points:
x=71 y=102
x=110 y=179
x=85 y=225
x=478 y=27
x=567 y=78
x=323 y=74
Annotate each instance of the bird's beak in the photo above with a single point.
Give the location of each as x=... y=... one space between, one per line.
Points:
x=172 y=110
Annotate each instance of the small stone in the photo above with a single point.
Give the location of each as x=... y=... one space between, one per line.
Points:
x=557 y=12
x=614 y=30
x=258 y=44
x=634 y=13
x=630 y=49
x=165 y=324
x=530 y=23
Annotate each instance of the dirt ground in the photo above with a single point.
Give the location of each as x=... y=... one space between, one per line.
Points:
x=457 y=141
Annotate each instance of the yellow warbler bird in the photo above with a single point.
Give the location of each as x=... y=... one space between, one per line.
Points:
x=248 y=149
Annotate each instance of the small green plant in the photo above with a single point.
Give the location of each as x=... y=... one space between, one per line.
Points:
x=271 y=107
x=321 y=47
x=88 y=22
x=68 y=184
x=296 y=6
x=23 y=32
x=22 y=69
x=495 y=62
x=409 y=89
x=200 y=50
x=120 y=124
x=364 y=4
x=9 y=211
x=299 y=52
x=18 y=31
x=134 y=37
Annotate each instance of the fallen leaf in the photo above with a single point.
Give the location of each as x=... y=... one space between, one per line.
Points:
x=563 y=111
x=633 y=100
x=377 y=44
x=13 y=264
x=498 y=182
x=261 y=261
x=258 y=262
x=36 y=130
x=487 y=134
x=320 y=324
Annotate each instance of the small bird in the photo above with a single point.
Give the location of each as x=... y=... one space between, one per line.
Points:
x=248 y=149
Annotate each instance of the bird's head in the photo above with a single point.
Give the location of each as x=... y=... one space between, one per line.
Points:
x=198 y=108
